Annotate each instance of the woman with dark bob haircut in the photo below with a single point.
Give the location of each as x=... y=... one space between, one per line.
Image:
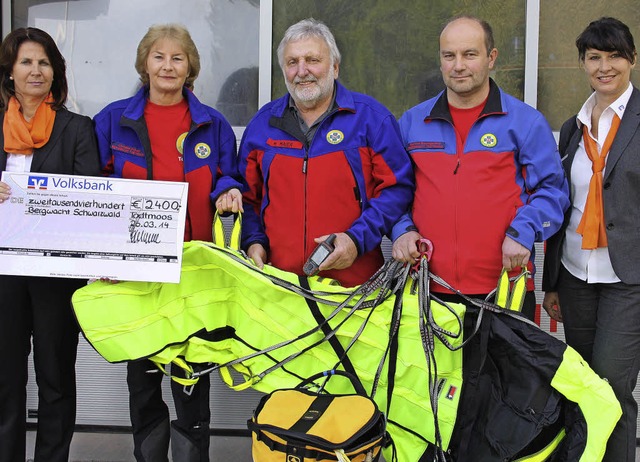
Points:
x=591 y=276
x=38 y=135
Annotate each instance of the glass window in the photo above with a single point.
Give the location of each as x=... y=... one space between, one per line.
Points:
x=98 y=38
x=390 y=49
x=562 y=85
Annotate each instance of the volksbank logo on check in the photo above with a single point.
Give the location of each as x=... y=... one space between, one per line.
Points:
x=37 y=182
x=83 y=184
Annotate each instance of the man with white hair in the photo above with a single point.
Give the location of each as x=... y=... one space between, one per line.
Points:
x=321 y=160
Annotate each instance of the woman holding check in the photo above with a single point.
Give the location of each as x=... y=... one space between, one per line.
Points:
x=164 y=133
x=38 y=135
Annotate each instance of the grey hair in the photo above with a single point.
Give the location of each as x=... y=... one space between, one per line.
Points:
x=308 y=28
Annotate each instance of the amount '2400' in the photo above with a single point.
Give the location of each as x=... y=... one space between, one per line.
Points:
x=164 y=205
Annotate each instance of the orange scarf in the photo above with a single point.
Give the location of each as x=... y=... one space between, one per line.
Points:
x=22 y=137
x=592 y=223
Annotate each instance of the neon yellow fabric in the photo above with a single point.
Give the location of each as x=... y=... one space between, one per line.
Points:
x=132 y=320
x=518 y=291
x=511 y=296
x=593 y=395
x=542 y=455
x=219 y=235
x=184 y=365
x=135 y=319
x=502 y=292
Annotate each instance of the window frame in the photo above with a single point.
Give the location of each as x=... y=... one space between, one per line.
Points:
x=266 y=52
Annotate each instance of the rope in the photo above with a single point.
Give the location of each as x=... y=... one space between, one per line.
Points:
x=385 y=280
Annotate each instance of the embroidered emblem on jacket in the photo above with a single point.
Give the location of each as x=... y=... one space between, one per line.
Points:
x=489 y=140
x=202 y=150
x=335 y=136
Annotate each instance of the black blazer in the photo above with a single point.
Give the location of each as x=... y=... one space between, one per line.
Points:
x=71 y=149
x=621 y=197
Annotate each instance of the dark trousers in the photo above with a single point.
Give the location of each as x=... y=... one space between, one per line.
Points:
x=189 y=433
x=602 y=323
x=39 y=309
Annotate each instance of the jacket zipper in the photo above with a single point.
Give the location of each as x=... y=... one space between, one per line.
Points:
x=305 y=165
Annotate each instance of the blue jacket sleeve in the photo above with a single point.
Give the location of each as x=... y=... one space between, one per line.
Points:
x=101 y=125
x=252 y=228
x=404 y=225
x=228 y=176
x=544 y=178
x=394 y=186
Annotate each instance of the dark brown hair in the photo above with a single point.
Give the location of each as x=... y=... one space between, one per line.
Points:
x=9 y=53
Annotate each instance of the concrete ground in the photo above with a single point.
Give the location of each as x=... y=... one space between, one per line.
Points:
x=118 y=447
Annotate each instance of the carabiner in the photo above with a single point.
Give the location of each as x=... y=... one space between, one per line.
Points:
x=425 y=247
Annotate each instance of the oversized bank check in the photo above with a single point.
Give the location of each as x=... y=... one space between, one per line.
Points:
x=92 y=227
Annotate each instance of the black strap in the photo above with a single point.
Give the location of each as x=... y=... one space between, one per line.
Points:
x=299 y=450
x=408 y=430
x=474 y=358
x=312 y=414
x=357 y=385
x=326 y=328
x=393 y=348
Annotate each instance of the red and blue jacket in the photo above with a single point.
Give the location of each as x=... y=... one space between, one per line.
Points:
x=209 y=152
x=505 y=180
x=354 y=177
